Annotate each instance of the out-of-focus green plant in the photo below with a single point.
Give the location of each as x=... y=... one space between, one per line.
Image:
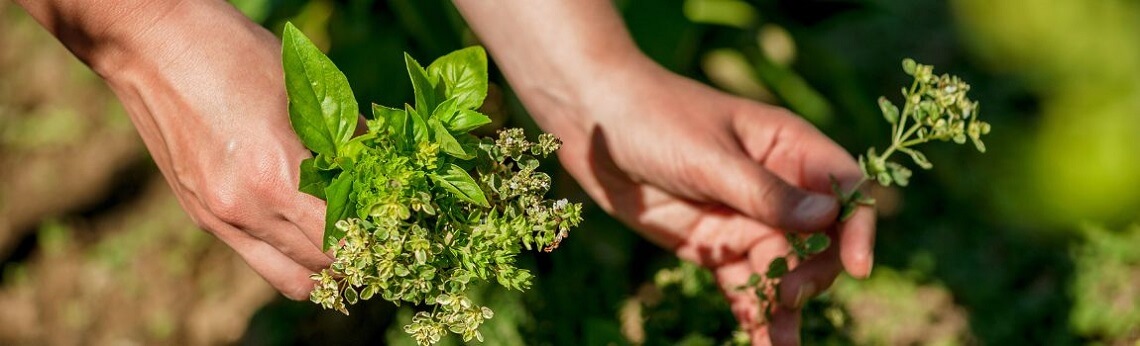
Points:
x=935 y=108
x=1106 y=290
x=405 y=219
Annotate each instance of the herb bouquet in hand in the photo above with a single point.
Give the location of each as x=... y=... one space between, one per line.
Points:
x=406 y=219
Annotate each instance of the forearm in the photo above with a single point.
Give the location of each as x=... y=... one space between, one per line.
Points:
x=551 y=50
x=187 y=72
x=116 y=37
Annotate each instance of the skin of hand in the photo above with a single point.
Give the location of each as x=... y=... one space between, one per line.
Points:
x=203 y=86
x=716 y=178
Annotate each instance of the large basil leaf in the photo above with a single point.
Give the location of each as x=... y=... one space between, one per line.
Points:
x=322 y=109
x=464 y=74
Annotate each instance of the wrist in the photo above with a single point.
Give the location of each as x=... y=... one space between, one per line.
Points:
x=179 y=38
x=564 y=95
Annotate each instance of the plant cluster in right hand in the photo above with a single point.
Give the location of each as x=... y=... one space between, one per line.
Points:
x=934 y=108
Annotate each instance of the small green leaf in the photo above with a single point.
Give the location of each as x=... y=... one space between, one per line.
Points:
x=884 y=178
x=445 y=111
x=423 y=85
x=340 y=207
x=899 y=174
x=816 y=243
x=394 y=119
x=753 y=280
x=464 y=72
x=367 y=292
x=909 y=65
x=313 y=179
x=350 y=295
x=447 y=142
x=527 y=163
x=918 y=157
x=455 y=180
x=466 y=120
x=350 y=152
x=890 y=111
x=777 y=268
x=418 y=130
x=322 y=109
x=848 y=208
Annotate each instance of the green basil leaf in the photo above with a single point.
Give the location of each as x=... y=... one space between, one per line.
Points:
x=350 y=152
x=447 y=142
x=466 y=120
x=322 y=109
x=445 y=110
x=390 y=118
x=418 y=130
x=464 y=73
x=423 y=85
x=341 y=205
x=314 y=180
x=459 y=183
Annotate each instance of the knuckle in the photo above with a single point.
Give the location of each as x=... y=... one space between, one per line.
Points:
x=227 y=205
x=768 y=200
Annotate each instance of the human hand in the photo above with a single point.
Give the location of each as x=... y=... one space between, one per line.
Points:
x=203 y=86
x=716 y=178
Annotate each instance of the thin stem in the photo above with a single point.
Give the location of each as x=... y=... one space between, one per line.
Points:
x=858 y=185
x=896 y=145
x=907 y=108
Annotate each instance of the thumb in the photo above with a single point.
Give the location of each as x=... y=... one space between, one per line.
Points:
x=751 y=189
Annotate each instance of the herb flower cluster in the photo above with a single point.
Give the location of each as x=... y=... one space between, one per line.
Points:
x=935 y=108
x=406 y=219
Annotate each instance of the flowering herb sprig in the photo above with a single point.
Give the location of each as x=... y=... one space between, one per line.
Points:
x=406 y=221
x=935 y=108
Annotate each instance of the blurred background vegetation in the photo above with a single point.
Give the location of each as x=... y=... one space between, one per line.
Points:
x=1034 y=242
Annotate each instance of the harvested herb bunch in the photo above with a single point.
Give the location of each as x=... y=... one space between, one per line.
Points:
x=935 y=108
x=406 y=220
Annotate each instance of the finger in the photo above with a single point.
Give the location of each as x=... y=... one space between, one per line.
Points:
x=747 y=187
x=720 y=234
x=784 y=329
x=307 y=214
x=857 y=242
x=743 y=303
x=287 y=276
x=292 y=242
x=793 y=149
x=361 y=126
x=760 y=337
x=808 y=279
x=797 y=152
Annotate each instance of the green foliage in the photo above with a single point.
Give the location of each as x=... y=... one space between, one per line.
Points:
x=1105 y=291
x=406 y=220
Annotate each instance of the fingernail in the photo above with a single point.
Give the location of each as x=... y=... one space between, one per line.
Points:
x=813 y=207
x=806 y=291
